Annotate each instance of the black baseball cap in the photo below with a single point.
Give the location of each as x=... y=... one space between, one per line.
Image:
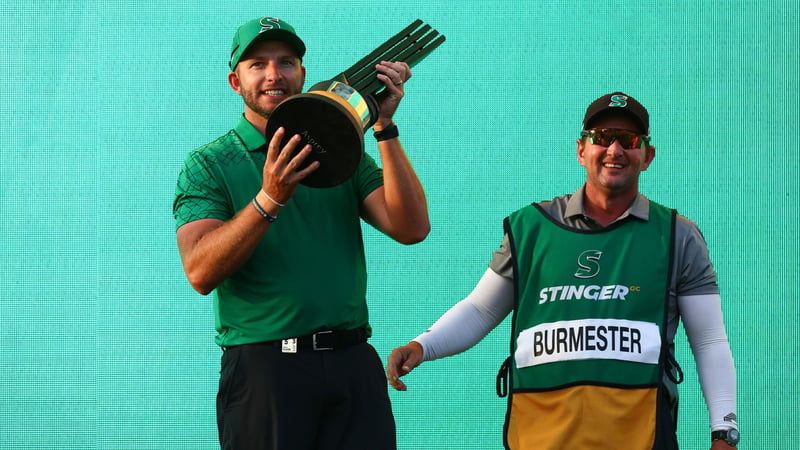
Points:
x=618 y=101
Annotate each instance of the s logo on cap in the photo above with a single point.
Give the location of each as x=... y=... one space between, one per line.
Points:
x=269 y=23
x=619 y=101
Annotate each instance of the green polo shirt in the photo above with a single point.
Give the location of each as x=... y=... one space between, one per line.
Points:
x=309 y=270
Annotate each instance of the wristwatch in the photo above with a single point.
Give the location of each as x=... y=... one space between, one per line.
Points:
x=731 y=436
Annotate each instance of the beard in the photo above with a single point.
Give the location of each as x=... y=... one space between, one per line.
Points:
x=251 y=100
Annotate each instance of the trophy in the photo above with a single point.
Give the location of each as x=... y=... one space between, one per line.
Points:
x=333 y=115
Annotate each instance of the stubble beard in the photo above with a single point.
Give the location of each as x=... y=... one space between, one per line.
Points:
x=251 y=101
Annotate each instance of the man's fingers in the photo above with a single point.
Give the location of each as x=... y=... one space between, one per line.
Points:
x=285 y=162
x=287 y=152
x=275 y=144
x=394 y=377
x=398 y=385
x=399 y=365
x=278 y=155
x=399 y=72
x=308 y=169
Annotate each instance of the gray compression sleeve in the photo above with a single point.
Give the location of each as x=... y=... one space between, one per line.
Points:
x=702 y=319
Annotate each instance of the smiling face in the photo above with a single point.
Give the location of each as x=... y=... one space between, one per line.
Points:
x=268 y=73
x=613 y=171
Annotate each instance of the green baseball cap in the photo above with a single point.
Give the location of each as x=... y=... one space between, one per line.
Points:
x=269 y=28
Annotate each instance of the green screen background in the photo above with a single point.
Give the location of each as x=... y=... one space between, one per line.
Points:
x=104 y=344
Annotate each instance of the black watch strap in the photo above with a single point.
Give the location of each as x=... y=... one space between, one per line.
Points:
x=387 y=133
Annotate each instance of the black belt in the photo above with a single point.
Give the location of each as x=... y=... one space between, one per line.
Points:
x=322 y=340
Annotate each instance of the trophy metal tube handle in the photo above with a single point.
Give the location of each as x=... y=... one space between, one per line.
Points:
x=411 y=45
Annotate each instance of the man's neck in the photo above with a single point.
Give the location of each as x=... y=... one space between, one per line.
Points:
x=606 y=207
x=258 y=121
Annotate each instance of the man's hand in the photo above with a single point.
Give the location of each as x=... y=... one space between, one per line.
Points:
x=281 y=176
x=394 y=76
x=719 y=444
x=403 y=360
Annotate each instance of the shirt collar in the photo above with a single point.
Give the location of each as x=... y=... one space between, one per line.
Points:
x=252 y=138
x=640 y=208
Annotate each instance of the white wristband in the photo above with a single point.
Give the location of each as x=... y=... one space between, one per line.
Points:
x=272 y=199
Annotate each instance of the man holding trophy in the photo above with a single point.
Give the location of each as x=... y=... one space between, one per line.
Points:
x=285 y=260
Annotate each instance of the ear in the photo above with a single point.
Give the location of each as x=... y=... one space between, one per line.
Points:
x=648 y=157
x=233 y=80
x=581 y=148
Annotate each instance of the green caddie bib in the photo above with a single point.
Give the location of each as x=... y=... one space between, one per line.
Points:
x=588 y=326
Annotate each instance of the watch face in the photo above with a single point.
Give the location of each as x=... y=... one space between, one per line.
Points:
x=733 y=437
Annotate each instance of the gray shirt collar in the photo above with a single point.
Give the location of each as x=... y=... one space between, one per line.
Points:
x=640 y=208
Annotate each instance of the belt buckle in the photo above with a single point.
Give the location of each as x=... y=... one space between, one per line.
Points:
x=314 y=340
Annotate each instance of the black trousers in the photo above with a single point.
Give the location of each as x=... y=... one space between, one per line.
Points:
x=310 y=400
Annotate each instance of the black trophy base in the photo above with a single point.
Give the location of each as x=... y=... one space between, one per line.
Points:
x=323 y=121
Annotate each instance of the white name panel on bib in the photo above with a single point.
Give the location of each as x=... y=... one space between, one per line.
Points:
x=571 y=340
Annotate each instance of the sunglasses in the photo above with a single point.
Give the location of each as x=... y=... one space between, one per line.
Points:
x=607 y=136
